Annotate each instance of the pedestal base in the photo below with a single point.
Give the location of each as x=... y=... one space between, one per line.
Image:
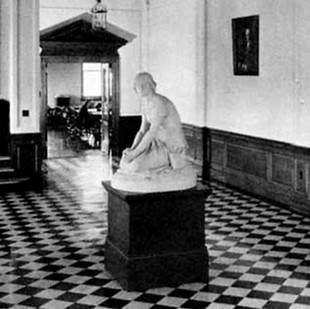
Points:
x=156 y=239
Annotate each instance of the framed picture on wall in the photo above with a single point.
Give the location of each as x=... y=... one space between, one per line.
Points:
x=245 y=35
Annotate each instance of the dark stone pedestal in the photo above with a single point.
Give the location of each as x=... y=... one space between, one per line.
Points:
x=156 y=239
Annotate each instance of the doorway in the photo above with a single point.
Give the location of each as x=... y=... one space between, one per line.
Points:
x=74 y=41
x=79 y=98
x=81 y=103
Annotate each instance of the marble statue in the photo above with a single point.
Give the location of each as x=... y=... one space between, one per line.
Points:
x=156 y=161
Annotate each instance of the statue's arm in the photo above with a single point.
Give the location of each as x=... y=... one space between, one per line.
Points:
x=157 y=119
x=145 y=125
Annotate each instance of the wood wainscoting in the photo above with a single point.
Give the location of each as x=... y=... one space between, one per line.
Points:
x=26 y=154
x=197 y=140
x=276 y=171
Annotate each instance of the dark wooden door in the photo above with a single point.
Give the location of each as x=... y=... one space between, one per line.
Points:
x=4 y=127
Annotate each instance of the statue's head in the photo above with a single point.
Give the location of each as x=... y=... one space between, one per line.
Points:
x=144 y=84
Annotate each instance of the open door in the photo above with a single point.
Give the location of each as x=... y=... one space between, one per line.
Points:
x=44 y=110
x=4 y=127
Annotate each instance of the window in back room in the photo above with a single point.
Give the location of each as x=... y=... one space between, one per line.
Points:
x=95 y=81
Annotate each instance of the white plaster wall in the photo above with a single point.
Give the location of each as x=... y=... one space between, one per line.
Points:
x=264 y=105
x=130 y=59
x=55 y=11
x=5 y=50
x=123 y=14
x=173 y=52
x=301 y=125
x=29 y=68
x=20 y=71
x=64 y=79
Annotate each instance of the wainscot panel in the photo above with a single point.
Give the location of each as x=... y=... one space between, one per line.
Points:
x=283 y=170
x=195 y=137
x=217 y=153
x=301 y=173
x=247 y=160
x=275 y=171
x=26 y=153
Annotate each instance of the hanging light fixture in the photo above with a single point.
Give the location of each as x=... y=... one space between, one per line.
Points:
x=99 y=16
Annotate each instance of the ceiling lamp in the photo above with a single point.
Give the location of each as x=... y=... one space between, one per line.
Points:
x=99 y=16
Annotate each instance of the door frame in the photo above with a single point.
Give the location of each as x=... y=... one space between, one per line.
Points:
x=114 y=115
x=74 y=39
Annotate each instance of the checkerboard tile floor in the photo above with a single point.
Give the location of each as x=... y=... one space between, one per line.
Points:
x=52 y=249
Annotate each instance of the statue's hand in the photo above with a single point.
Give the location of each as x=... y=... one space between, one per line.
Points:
x=126 y=151
x=127 y=155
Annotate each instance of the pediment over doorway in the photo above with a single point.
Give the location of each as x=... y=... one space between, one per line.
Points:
x=75 y=37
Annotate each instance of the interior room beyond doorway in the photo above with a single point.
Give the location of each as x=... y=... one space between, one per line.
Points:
x=78 y=107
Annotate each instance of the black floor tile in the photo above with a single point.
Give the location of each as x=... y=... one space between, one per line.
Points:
x=52 y=247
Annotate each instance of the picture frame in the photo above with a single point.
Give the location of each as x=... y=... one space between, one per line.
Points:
x=245 y=37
